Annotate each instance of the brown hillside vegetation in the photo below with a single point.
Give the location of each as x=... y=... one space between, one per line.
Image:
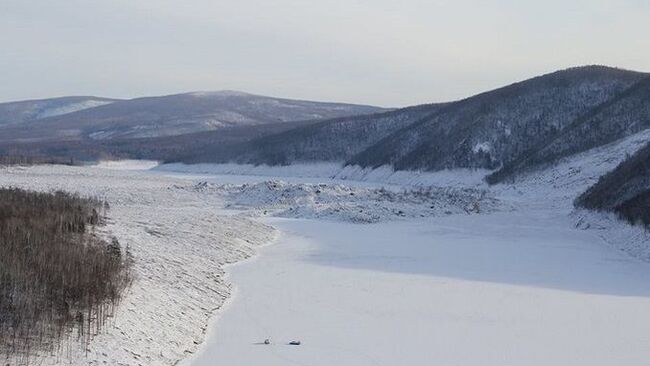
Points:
x=58 y=278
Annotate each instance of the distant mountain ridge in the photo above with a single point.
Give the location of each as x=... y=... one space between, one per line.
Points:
x=172 y=115
x=29 y=110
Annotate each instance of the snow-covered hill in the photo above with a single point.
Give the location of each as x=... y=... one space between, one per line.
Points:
x=626 y=114
x=17 y=113
x=331 y=140
x=493 y=128
x=175 y=115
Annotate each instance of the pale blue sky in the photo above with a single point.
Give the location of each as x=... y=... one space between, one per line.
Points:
x=390 y=53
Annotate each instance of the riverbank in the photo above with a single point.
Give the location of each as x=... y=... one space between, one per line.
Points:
x=180 y=242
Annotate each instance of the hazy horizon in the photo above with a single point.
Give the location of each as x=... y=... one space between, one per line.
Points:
x=365 y=52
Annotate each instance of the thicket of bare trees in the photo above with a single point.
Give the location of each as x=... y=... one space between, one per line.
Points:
x=58 y=277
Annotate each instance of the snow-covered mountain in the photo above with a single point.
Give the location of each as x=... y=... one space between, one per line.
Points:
x=30 y=110
x=175 y=115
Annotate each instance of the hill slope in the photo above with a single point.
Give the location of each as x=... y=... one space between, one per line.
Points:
x=177 y=114
x=493 y=128
x=625 y=190
x=30 y=110
x=624 y=115
x=330 y=140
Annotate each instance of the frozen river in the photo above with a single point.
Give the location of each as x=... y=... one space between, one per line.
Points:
x=501 y=289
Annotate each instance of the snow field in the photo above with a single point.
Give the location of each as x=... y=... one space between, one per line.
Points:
x=493 y=289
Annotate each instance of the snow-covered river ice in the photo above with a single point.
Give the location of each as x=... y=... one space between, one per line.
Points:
x=498 y=289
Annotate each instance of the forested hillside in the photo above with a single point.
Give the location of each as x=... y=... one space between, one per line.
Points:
x=625 y=190
x=330 y=140
x=186 y=147
x=491 y=129
x=624 y=115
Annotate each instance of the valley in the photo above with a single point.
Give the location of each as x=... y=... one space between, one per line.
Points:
x=489 y=229
x=325 y=183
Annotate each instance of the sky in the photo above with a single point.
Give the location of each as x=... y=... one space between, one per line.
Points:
x=381 y=52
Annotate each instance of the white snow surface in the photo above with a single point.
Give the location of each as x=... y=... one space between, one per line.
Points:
x=632 y=240
x=127 y=164
x=317 y=170
x=493 y=289
x=384 y=175
x=72 y=107
x=563 y=182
